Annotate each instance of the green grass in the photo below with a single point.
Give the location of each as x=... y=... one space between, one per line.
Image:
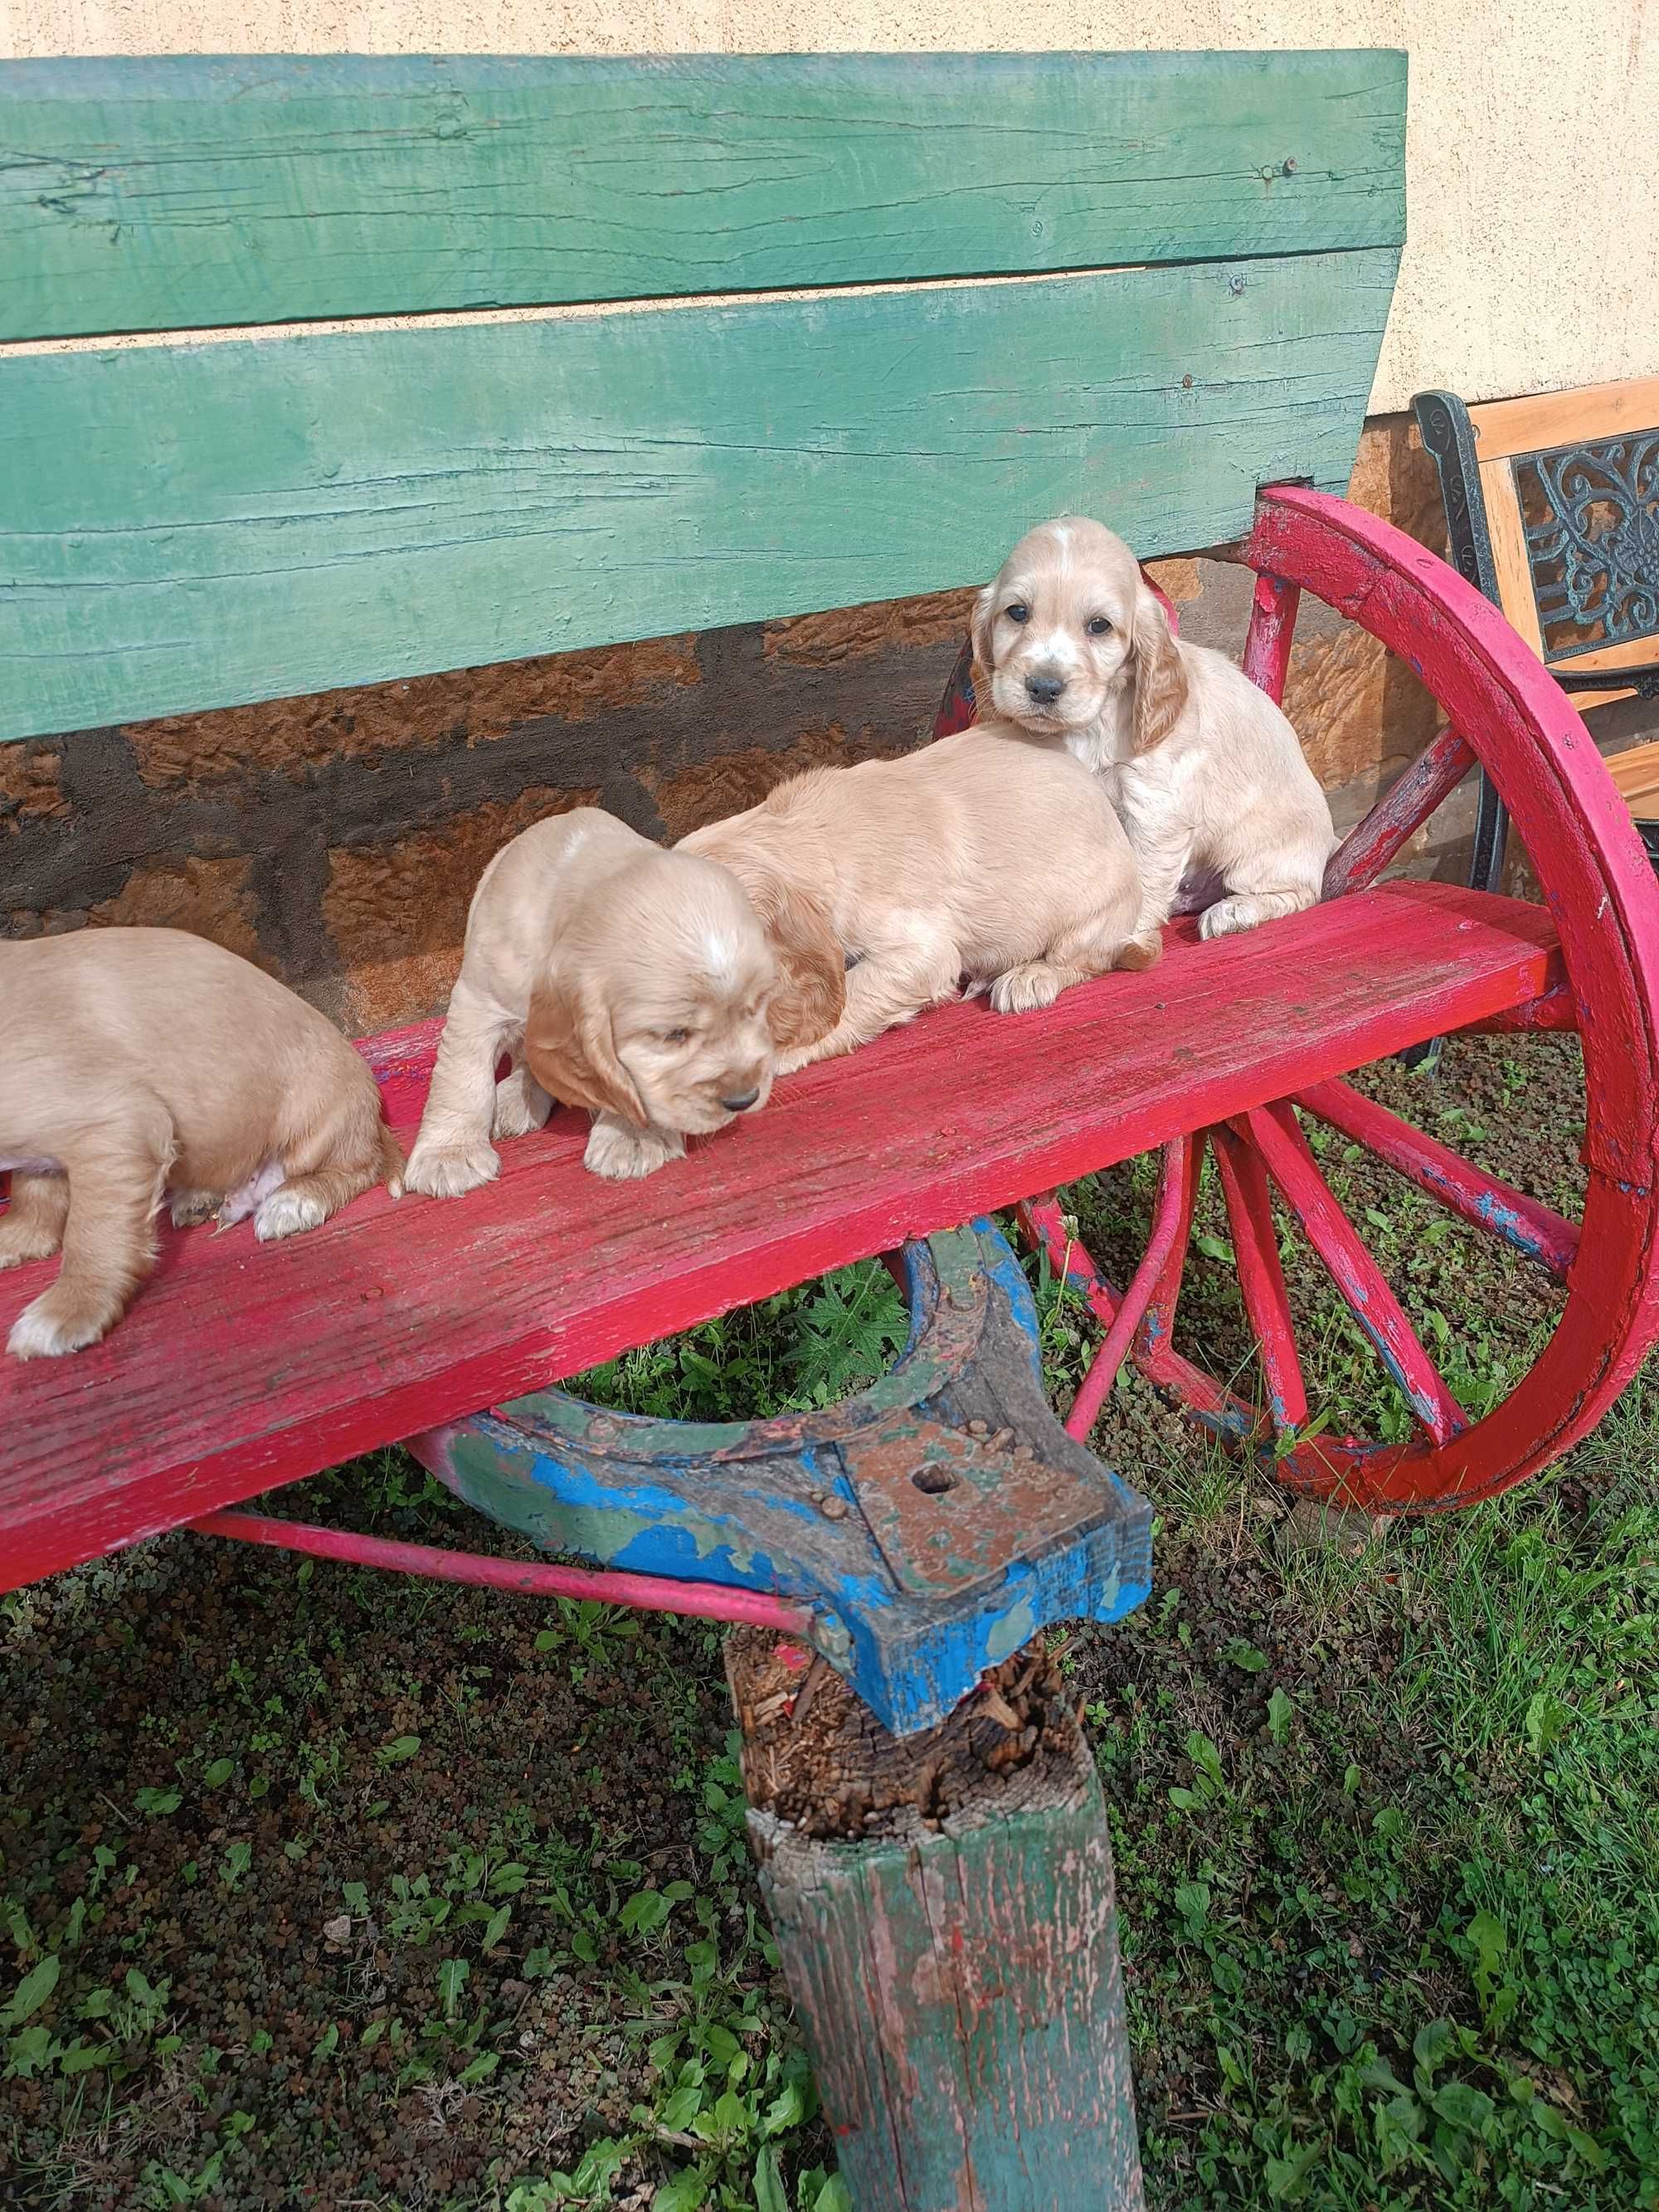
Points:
x=443 y=1898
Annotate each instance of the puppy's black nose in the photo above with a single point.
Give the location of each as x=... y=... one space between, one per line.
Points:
x=1045 y=690
x=742 y=1103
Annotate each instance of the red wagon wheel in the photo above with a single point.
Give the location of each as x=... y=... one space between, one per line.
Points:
x=1506 y=712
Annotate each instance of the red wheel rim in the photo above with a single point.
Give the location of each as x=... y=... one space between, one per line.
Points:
x=1503 y=710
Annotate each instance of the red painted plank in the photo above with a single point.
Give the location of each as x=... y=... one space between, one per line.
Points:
x=240 y=1366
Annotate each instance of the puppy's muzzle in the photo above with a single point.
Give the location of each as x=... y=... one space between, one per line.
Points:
x=1044 y=690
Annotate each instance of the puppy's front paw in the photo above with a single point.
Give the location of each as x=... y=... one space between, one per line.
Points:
x=521 y=1105
x=450 y=1171
x=55 y=1324
x=620 y=1152
x=1022 y=990
x=190 y=1208
x=1228 y=916
x=23 y=1241
x=286 y=1213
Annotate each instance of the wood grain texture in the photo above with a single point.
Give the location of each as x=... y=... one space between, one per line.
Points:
x=190 y=526
x=179 y=193
x=1508 y=533
x=397 y=1317
x=957 y=1982
x=1505 y=428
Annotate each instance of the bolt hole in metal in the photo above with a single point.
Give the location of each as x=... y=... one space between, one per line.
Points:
x=933 y=1481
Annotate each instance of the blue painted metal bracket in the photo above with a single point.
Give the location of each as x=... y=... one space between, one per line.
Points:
x=933 y=1524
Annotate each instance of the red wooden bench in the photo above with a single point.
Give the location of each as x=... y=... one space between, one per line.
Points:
x=1218 y=237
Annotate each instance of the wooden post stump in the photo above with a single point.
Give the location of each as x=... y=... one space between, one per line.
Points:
x=944 y=1906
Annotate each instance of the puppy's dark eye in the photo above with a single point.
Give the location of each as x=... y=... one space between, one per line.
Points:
x=1019 y=612
x=1098 y=625
x=672 y=1037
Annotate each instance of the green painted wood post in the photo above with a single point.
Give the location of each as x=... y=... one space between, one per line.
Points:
x=945 y=1909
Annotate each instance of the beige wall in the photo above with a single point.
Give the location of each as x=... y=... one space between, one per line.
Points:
x=1534 y=259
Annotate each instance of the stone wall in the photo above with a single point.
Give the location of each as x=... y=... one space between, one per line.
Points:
x=335 y=839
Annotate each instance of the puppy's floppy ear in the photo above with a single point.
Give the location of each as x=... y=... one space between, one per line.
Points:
x=811 y=990
x=979 y=630
x=1160 y=673
x=567 y=1045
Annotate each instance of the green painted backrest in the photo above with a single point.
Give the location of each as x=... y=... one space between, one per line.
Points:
x=1135 y=285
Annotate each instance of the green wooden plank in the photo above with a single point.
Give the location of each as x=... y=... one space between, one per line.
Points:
x=196 y=525
x=182 y=193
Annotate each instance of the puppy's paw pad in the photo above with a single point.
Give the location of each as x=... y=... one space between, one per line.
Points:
x=450 y=1174
x=285 y=1214
x=41 y=1331
x=620 y=1155
x=1023 y=990
x=190 y=1208
x=521 y=1107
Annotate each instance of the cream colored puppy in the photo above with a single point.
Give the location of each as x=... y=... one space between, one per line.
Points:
x=1206 y=773
x=986 y=857
x=635 y=982
x=135 y=1061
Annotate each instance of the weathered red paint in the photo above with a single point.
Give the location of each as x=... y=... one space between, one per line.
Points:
x=1484 y=1200
x=1600 y=892
x=1272 y=633
x=1261 y=1276
x=1275 y=1132
x=1397 y=817
x=1171 y=1227
x=534 y=1578
x=394 y=1318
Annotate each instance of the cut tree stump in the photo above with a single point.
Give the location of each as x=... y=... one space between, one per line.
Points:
x=945 y=1906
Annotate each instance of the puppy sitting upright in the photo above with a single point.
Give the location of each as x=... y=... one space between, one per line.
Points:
x=136 y=1060
x=635 y=982
x=1207 y=774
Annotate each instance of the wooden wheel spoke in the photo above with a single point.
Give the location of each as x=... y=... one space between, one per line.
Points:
x=1397 y=817
x=1277 y=1135
x=1468 y=1191
x=1273 y=627
x=1260 y=1278
x=1146 y=1312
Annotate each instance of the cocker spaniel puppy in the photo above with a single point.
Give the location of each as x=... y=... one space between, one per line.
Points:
x=616 y=976
x=1207 y=774
x=135 y=1062
x=986 y=857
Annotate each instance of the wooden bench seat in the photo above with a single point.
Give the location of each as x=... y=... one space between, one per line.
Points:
x=240 y=1366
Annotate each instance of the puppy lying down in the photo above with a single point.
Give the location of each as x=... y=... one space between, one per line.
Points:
x=988 y=857
x=635 y=982
x=137 y=1062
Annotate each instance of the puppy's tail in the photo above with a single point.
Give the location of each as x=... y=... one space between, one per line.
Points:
x=391 y=1164
x=1141 y=952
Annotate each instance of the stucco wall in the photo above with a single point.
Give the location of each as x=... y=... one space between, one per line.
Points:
x=1534 y=258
